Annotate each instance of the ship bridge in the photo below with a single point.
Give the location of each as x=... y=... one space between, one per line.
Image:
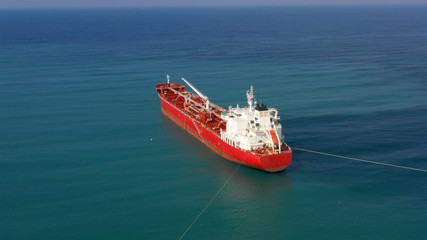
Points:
x=254 y=127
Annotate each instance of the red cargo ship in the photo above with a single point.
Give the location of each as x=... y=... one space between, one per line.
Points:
x=250 y=136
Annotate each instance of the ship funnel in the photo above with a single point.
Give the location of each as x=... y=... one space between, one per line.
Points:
x=198 y=92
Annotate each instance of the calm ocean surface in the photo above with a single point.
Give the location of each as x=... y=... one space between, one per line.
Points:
x=78 y=109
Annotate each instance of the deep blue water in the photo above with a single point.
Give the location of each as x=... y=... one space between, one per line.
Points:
x=78 y=109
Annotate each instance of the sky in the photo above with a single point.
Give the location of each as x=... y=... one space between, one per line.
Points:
x=183 y=3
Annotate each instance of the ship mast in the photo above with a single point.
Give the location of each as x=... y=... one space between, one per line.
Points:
x=198 y=92
x=250 y=96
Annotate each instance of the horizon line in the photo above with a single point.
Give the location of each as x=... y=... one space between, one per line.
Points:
x=237 y=6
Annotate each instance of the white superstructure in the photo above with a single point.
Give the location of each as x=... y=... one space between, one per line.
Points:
x=253 y=127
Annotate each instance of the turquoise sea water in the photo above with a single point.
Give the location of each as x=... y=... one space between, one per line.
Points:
x=78 y=111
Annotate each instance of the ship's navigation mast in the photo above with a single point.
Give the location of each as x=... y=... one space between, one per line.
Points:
x=168 y=78
x=198 y=93
x=250 y=96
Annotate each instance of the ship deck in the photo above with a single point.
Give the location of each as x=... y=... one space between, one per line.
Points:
x=193 y=106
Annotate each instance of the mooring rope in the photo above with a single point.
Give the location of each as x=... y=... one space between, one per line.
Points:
x=360 y=160
x=209 y=203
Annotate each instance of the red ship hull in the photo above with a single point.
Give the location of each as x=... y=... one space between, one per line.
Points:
x=267 y=162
